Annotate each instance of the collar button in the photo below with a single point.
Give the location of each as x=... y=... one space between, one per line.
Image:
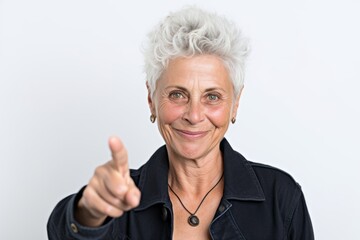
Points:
x=164 y=213
x=221 y=208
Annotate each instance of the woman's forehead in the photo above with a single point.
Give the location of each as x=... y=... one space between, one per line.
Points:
x=197 y=70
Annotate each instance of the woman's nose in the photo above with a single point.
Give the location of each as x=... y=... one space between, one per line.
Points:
x=194 y=112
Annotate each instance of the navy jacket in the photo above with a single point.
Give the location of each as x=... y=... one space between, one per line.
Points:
x=259 y=202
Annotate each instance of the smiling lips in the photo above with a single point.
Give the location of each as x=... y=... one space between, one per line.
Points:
x=191 y=134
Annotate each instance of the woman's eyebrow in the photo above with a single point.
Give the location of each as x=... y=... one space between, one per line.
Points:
x=178 y=87
x=214 y=89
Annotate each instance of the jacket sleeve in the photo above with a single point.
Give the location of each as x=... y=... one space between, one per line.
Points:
x=63 y=226
x=300 y=226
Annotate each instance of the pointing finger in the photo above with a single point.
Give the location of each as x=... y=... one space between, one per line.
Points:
x=119 y=154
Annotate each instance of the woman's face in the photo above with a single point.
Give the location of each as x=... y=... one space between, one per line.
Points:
x=194 y=103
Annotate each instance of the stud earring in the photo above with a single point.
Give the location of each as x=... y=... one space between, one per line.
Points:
x=233 y=120
x=152 y=118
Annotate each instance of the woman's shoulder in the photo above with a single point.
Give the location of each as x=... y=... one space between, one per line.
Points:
x=276 y=183
x=268 y=172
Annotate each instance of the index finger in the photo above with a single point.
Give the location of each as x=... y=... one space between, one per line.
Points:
x=119 y=154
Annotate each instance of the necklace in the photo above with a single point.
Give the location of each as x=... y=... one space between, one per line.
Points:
x=193 y=220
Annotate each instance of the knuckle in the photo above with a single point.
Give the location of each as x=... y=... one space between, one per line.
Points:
x=89 y=195
x=120 y=190
x=88 y=200
x=115 y=202
x=111 y=211
x=93 y=183
x=105 y=209
x=99 y=171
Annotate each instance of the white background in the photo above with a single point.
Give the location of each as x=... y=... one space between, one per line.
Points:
x=71 y=76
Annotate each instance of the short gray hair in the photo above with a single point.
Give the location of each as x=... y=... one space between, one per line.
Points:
x=192 y=31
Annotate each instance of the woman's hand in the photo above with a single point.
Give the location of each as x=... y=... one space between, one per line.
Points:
x=111 y=190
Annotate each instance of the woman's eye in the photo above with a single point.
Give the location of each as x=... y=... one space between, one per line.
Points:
x=176 y=95
x=213 y=97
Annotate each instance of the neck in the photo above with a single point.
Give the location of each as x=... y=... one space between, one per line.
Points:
x=194 y=177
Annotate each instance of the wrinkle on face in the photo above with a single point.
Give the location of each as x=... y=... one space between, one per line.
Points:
x=194 y=95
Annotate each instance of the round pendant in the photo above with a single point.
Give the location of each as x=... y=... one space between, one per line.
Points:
x=193 y=220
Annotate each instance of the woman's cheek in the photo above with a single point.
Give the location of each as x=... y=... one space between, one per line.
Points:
x=170 y=112
x=219 y=114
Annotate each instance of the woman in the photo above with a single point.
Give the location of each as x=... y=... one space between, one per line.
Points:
x=196 y=186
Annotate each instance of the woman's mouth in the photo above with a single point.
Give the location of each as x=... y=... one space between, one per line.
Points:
x=191 y=134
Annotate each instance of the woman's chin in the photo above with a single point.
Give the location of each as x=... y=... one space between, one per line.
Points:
x=190 y=150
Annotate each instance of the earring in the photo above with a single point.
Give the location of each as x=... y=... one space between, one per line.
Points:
x=152 y=118
x=233 y=120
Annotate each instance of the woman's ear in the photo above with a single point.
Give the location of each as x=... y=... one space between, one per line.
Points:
x=150 y=99
x=236 y=104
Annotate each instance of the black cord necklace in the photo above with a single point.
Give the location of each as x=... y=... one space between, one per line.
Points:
x=193 y=220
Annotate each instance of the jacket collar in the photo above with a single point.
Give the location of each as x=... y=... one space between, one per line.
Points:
x=241 y=182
